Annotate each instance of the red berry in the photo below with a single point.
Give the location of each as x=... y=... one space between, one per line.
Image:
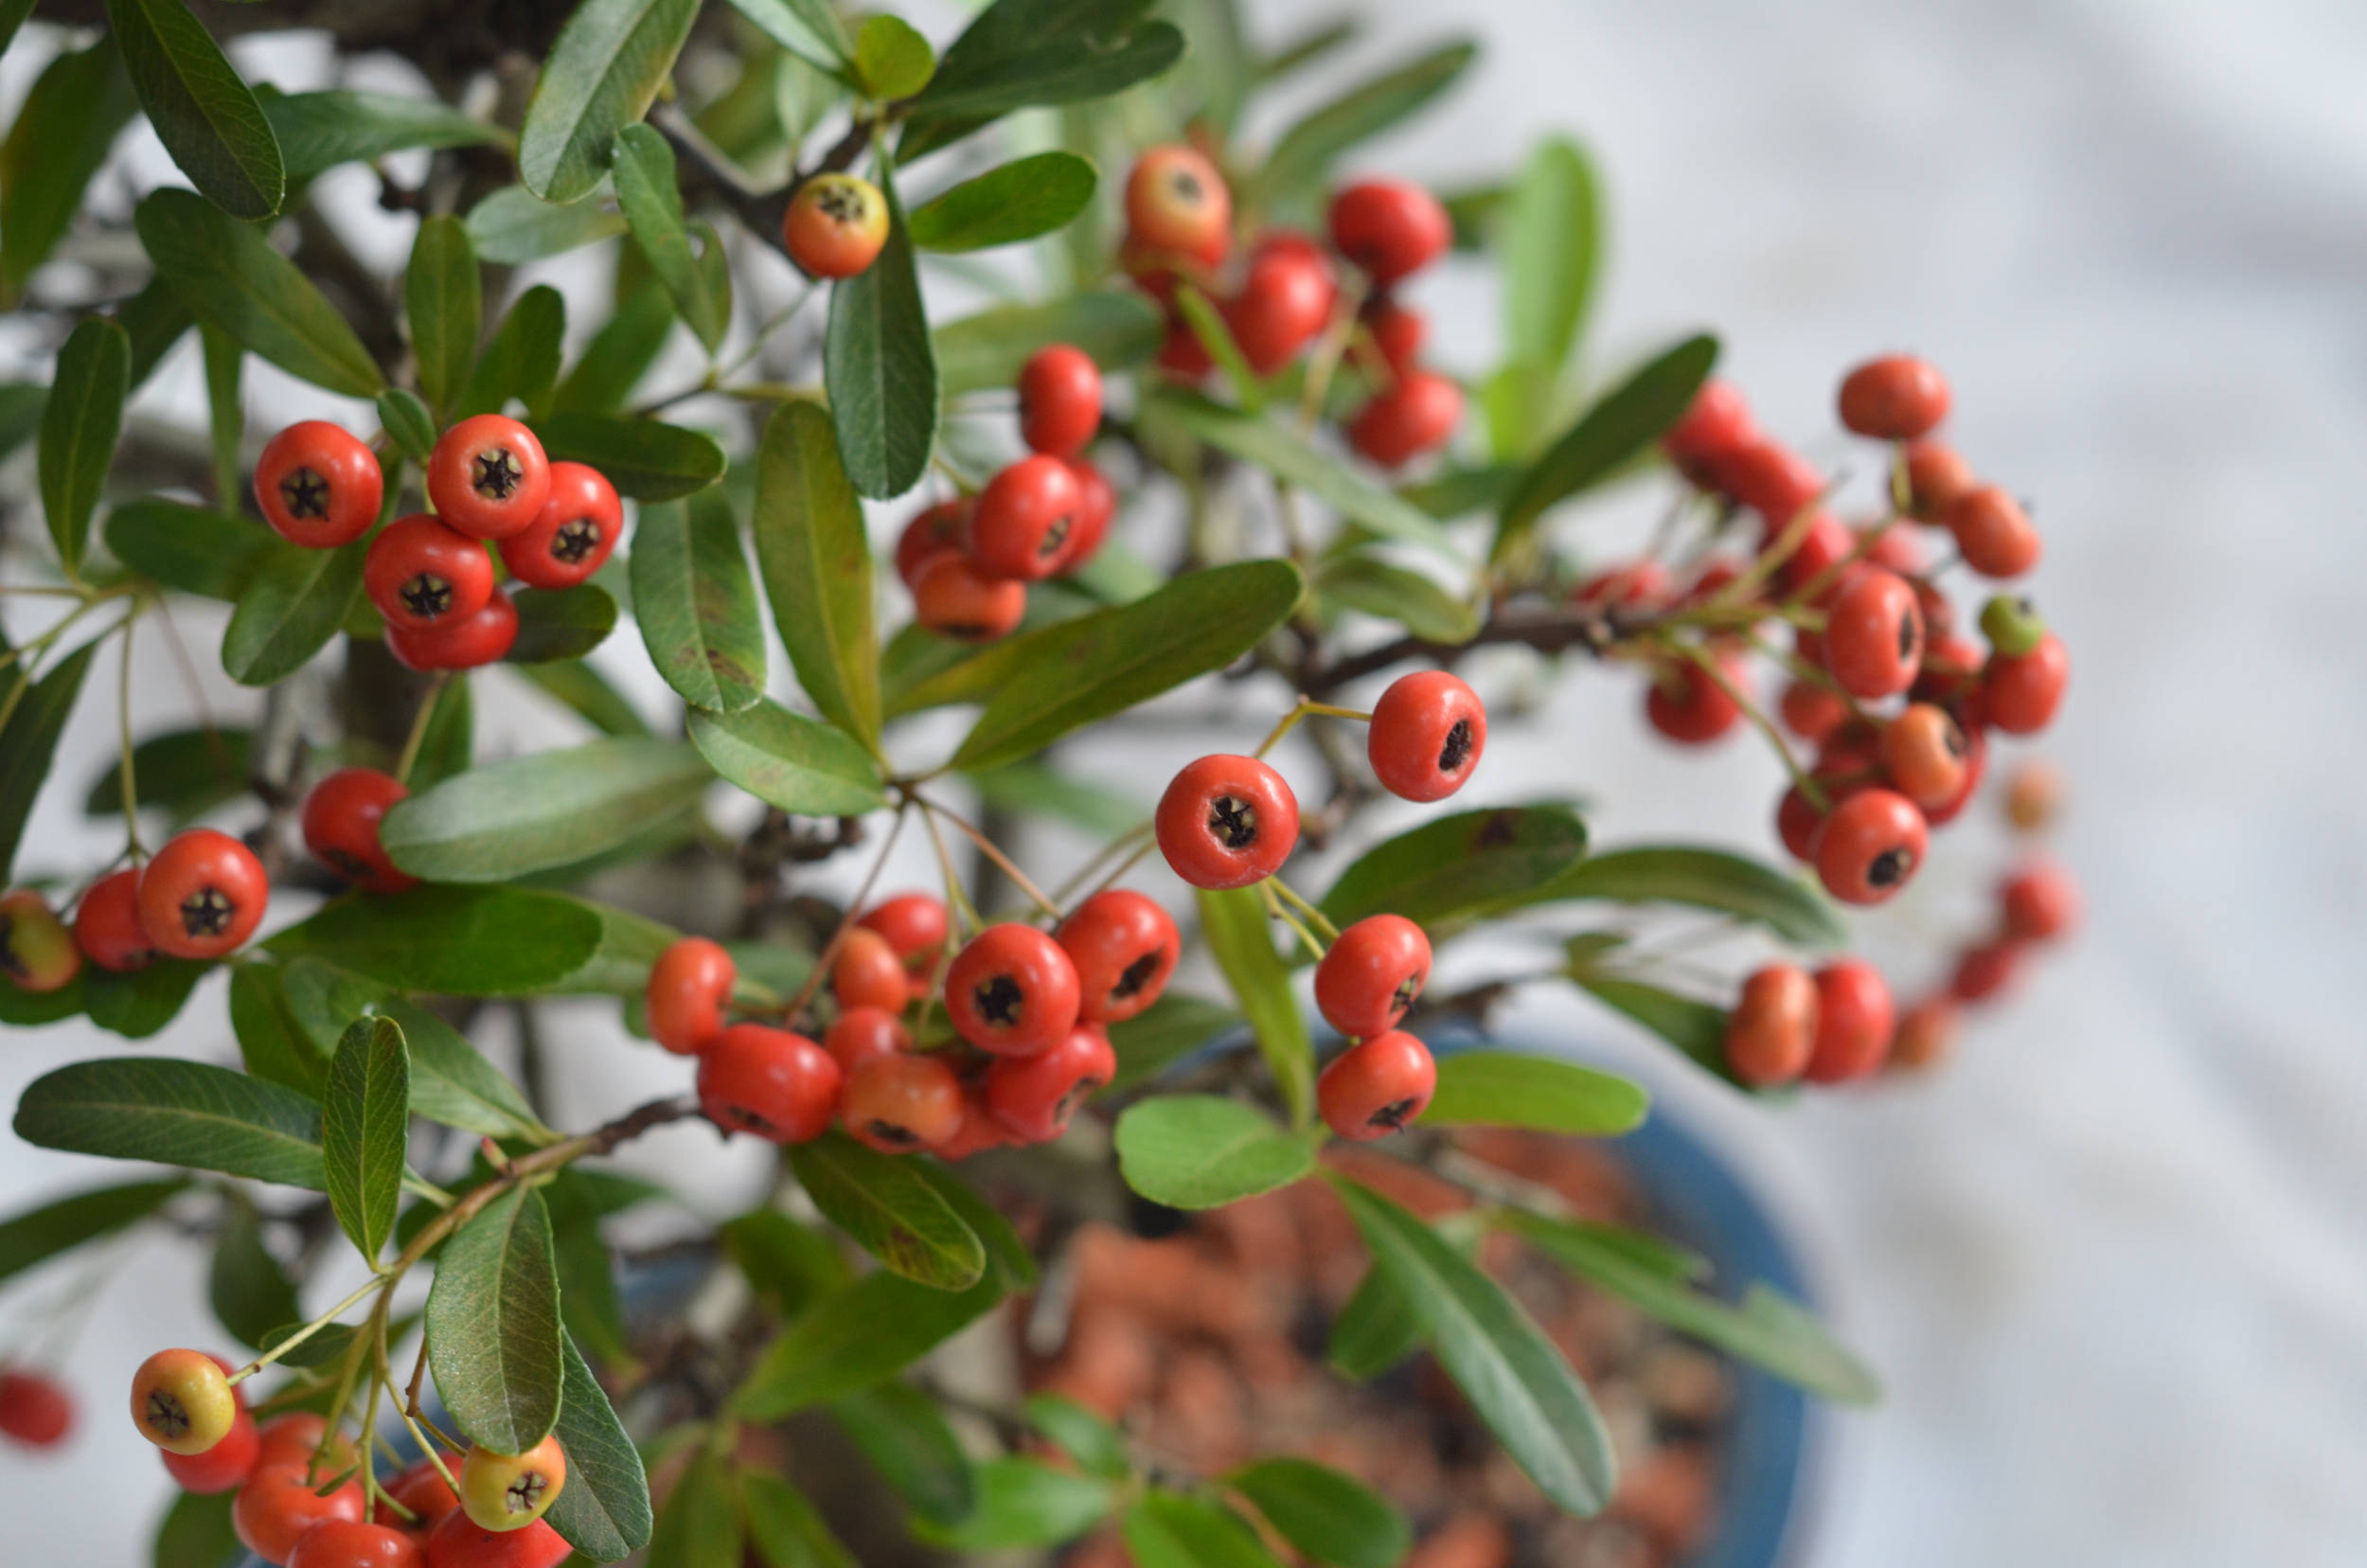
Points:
x=1716 y=422
x=1638 y=585
x=1032 y=1098
x=1024 y=519
x=224 y=1467
x=899 y=1103
x=1400 y=422
x=1176 y=201
x=423 y=575
x=203 y=895
x=1096 y=504
x=1183 y=355
x=1870 y=846
x=937 y=530
x=1824 y=546
x=37 y=952
x=276 y=1507
x=979 y=1130
x=868 y=972
x=953 y=598
x=1012 y=992
x=2041 y=903
x=1874 y=634
x=1936 y=475
x=459 y=1542
x=1772 y=1033
x=1983 y=971
x=1397 y=332
x=1992 y=531
x=1427 y=734
x=1927 y=1032
x=1375 y=1088
x=1769 y=478
x=1811 y=712
x=1951 y=670
x=835 y=225
x=1367 y=980
x=777 y=1086
x=578 y=528
x=1059 y=399
x=688 y=987
x=1925 y=754
x=181 y=1400
x=1390 y=228
x=1796 y=822
x=107 y=924
x=488 y=476
x=1852 y=1022
x=1897 y=398
x=1227 y=821
x=34 y=1410
x=423 y=1490
x=341 y=819
x=1976 y=765
x=319 y=485
x=915 y=924
x=1891 y=546
x=1124 y=947
x=1285 y=301
x=2020 y=695
x=303 y=1438
x=349 y=1544
x=857 y=1034
x=1689 y=707
x=482 y=639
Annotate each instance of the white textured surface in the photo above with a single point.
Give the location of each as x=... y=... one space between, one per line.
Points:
x=2111 y=1264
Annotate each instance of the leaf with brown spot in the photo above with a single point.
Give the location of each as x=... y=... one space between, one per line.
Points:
x=891 y=1211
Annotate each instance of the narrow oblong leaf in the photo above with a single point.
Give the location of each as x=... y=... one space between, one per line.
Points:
x=1171 y=1027
x=206 y=117
x=810 y=29
x=272 y=1044
x=1171 y=1530
x=177 y=1112
x=295 y=601
x=1510 y=1088
x=61 y=139
x=444 y=299
x=494 y=823
x=319 y=131
x=78 y=427
x=787 y=1530
x=1098 y=1448
x=601 y=75
x=494 y=1336
x=513 y=226
x=1265 y=445
x=1307 y=149
x=1454 y=868
x=41 y=1234
x=879 y=368
x=228 y=275
x=646 y=459
x=1376 y=1330
x=1709 y=879
x=1196 y=1152
x=29 y=740
x=1021 y=53
x=891 y=1212
x=188 y=548
x=1234 y=922
x=1026 y=1502
x=1361 y=582
x=197 y=1532
x=700 y=1527
x=1118 y=329
x=1693 y=1027
x=412 y=424
x=1012 y=202
x=903 y=1433
x=247 y=1287
x=603 y=1511
x=366 y=1117
x=696 y=603
x=1552 y=248
x=850 y=1341
x=786 y=759
x=557 y=624
x=453 y=1083
x=647 y=190
x=816 y=561
x=619 y=354
x=1622 y=423
x=1330 y=1516
x=452 y=941
x=521 y=361
x=138 y=1003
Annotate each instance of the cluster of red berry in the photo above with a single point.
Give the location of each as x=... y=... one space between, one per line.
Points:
x=299 y=1505
x=1286 y=292
x=969 y=561
x=200 y=896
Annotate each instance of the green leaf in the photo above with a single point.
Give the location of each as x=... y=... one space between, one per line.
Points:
x=156 y=319
x=1696 y=1028
x=809 y=29
x=453 y=1083
x=790 y=1266
x=78 y=426
x=1096 y=1445
x=646 y=459
x=319 y=131
x=522 y=361
x=786 y=1529
x=1025 y=1503
x=650 y=196
x=1461 y=492
x=1119 y=328
x=1013 y=202
x=589 y=1306
x=61 y=136
x=58 y=1226
x=452 y=941
x=1267 y=444
x=1624 y=422
x=1307 y=151
x=1084 y=670
x=880 y=369
x=1331 y=1517
x=324 y=1000
x=188 y=547
x=1319 y=41
x=177 y=1112
x=1008 y=1261
x=1196 y=1152
x=493 y=1338
x=1509 y=1089
x=20 y=401
x=1553 y=245
x=1169 y=1530
x=513 y=226
x=1173 y=1027
x=274 y=1046
x=1767 y=1330
x=700 y=1525
x=404 y=417
x=26 y=1010
x=1456 y=868
x=552 y=808
x=29 y=740
x=903 y=1434
x=1709 y=879
x=229 y=276
x=890 y=1210
x=892 y=60
x=1503 y=1362
x=1234 y=922
x=589 y=693
x=619 y=354
x=697 y=605
x=1022 y=53
x=224 y=363
x=138 y=1004
x=816 y=561
x=249 y=1292
x=444 y=299
x=1036 y=789
x=786 y=759
x=559 y=624
x=603 y=71
x=603 y=1511
x=850 y=1340
x=197 y=1533
x=208 y=119
x=365 y=1119
x=295 y=601
x=1365 y=582
x=1376 y=1330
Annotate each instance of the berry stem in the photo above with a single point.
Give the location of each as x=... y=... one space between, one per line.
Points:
x=986 y=848
x=1273 y=907
x=1321 y=921
x=419 y=720
x=846 y=920
x=1306 y=708
x=1766 y=726
x=123 y=737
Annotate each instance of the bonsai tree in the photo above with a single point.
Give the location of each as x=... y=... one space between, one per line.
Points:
x=1230 y=466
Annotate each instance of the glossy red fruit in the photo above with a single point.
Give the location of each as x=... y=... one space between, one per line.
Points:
x=37 y=952
x=298 y=1439
x=899 y=1103
x=35 y=1410
x=578 y=527
x=915 y=924
x=1024 y=519
x=1390 y=228
x=857 y=1034
x=1870 y=846
x=1124 y=945
x=1366 y=981
x=1769 y=478
x=107 y=924
x=1986 y=971
x=423 y=575
x=1716 y=424
x=1925 y=754
x=1890 y=547
x=1059 y=399
x=1427 y=734
x=341 y=819
x=485 y=637
x=1032 y=1098
x=1181 y=355
x=1772 y=1032
x=459 y=1542
x=937 y=530
x=867 y=972
x=1397 y=332
x=1685 y=703
x=488 y=476
x=348 y=1543
x=276 y=1507
x=1854 y=1022
x=2020 y=695
x=1176 y=201
x=1012 y=991
x=319 y=485
x=689 y=988
x=1400 y=422
x=1975 y=767
x=509 y=1491
x=2039 y=901
x=1096 y=504
x=1823 y=548
x=1284 y=303
x=979 y=1130
x=203 y=895
x=224 y=1465
x=1936 y=475
x=779 y=1086
x=1796 y=822
x=1995 y=536
x=423 y=1490
x=1811 y=712
x=1926 y=1034
x=1377 y=1087
x=835 y=225
x=1895 y=397
x=952 y=597
x=1874 y=634
x=1226 y=821
x=1951 y=670
x=1637 y=585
